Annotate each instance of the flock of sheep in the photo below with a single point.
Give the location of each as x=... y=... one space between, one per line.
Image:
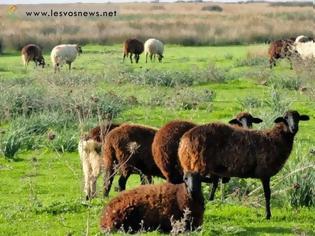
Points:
x=300 y=47
x=67 y=53
x=185 y=155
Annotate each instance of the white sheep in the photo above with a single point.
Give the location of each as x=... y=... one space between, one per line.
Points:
x=64 y=54
x=91 y=164
x=89 y=148
x=306 y=50
x=304 y=46
x=153 y=47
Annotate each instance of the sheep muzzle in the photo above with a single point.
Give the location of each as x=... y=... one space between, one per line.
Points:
x=193 y=183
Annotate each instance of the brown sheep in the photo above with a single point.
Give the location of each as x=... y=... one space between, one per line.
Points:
x=32 y=52
x=230 y=151
x=280 y=49
x=128 y=147
x=98 y=133
x=133 y=46
x=152 y=207
x=90 y=155
x=166 y=142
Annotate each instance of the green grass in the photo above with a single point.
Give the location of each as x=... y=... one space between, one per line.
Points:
x=41 y=192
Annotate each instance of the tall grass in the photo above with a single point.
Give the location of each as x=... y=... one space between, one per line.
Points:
x=197 y=26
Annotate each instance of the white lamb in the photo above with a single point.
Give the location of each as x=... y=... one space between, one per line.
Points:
x=153 y=47
x=64 y=54
x=91 y=163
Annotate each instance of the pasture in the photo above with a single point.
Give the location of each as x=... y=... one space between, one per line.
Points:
x=41 y=182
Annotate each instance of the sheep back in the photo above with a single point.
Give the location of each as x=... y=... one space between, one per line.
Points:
x=154 y=46
x=152 y=207
x=64 y=53
x=234 y=152
x=165 y=146
x=132 y=145
x=31 y=52
x=133 y=46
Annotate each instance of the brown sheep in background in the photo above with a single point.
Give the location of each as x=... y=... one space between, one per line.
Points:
x=89 y=148
x=152 y=207
x=133 y=46
x=280 y=49
x=166 y=142
x=129 y=148
x=32 y=52
x=229 y=151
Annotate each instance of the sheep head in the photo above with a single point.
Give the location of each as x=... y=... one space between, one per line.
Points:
x=291 y=119
x=160 y=57
x=245 y=120
x=41 y=62
x=79 y=49
x=192 y=182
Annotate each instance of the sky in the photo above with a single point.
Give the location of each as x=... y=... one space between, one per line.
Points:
x=101 y=1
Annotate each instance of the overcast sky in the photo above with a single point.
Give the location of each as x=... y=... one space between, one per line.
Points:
x=99 y=1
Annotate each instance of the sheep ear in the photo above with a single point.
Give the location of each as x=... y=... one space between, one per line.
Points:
x=235 y=122
x=304 y=117
x=257 y=120
x=279 y=119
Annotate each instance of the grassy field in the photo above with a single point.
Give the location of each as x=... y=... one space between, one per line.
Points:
x=41 y=184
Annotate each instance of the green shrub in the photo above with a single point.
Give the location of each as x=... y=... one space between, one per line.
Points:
x=285 y=82
x=251 y=61
x=65 y=141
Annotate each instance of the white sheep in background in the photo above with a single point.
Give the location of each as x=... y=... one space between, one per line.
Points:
x=305 y=47
x=64 y=54
x=153 y=47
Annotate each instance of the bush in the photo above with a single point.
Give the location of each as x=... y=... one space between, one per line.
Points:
x=285 y=82
x=65 y=141
x=74 y=95
x=188 y=99
x=216 y=8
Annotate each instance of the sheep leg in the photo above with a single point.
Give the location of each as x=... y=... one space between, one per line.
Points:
x=146 y=58
x=86 y=172
x=108 y=180
x=145 y=179
x=122 y=181
x=272 y=62
x=124 y=57
x=69 y=66
x=267 y=192
x=96 y=169
x=215 y=182
x=151 y=57
x=131 y=58
x=290 y=61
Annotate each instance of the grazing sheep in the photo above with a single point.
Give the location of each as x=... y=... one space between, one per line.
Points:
x=152 y=207
x=153 y=47
x=133 y=46
x=166 y=142
x=230 y=151
x=280 y=49
x=64 y=54
x=305 y=47
x=32 y=52
x=89 y=150
x=129 y=148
